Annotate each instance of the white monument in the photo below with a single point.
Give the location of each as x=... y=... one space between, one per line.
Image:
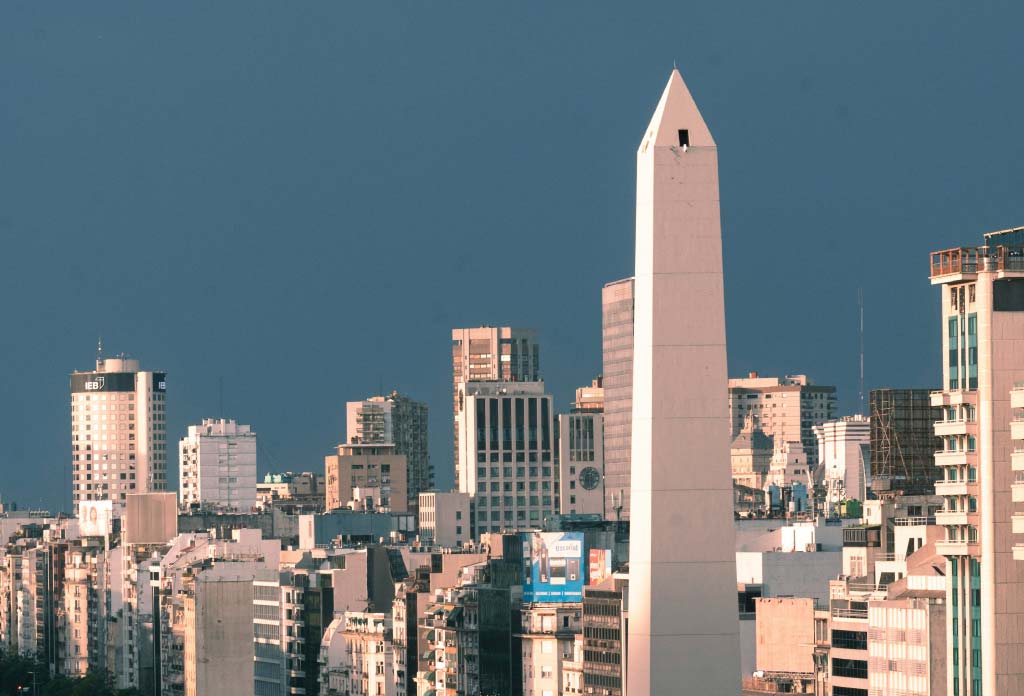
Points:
x=683 y=619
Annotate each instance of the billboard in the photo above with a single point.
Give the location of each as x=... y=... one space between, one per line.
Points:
x=600 y=566
x=553 y=567
x=94 y=517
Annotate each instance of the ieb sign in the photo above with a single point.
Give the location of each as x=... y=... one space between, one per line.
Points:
x=553 y=567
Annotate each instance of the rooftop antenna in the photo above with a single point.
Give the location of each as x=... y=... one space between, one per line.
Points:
x=222 y=397
x=99 y=348
x=860 y=302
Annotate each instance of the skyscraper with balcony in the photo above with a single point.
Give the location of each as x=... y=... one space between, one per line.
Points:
x=487 y=354
x=982 y=483
x=118 y=431
x=617 y=356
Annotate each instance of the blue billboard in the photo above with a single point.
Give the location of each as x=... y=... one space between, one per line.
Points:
x=553 y=567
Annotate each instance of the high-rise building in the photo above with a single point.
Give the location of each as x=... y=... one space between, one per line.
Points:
x=400 y=421
x=683 y=622
x=617 y=377
x=372 y=474
x=903 y=442
x=217 y=465
x=982 y=366
x=844 y=453
x=490 y=354
x=118 y=431
x=787 y=408
x=506 y=457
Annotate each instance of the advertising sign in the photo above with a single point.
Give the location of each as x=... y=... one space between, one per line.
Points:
x=600 y=566
x=553 y=567
x=94 y=517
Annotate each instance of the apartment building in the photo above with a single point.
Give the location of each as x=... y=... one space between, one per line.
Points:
x=617 y=315
x=982 y=290
x=787 y=408
x=217 y=466
x=366 y=477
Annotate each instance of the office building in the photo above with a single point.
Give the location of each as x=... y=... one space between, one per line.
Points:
x=445 y=518
x=395 y=420
x=581 y=463
x=844 y=455
x=506 y=455
x=683 y=624
x=218 y=466
x=366 y=477
x=787 y=408
x=617 y=378
x=118 y=431
x=903 y=442
x=490 y=354
x=982 y=486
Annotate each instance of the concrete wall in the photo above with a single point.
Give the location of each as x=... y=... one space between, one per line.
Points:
x=785 y=634
x=220 y=652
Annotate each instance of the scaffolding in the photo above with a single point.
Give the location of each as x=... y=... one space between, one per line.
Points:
x=903 y=442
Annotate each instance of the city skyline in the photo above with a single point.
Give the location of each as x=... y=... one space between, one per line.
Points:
x=206 y=247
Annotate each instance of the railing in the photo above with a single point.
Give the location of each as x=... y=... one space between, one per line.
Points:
x=918 y=521
x=969 y=259
x=849 y=613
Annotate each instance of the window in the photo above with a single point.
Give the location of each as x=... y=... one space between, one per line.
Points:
x=851 y=640
x=855 y=669
x=684 y=138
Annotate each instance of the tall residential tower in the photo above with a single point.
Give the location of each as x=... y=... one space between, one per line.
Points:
x=683 y=623
x=982 y=430
x=118 y=431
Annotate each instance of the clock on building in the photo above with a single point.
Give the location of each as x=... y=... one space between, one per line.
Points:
x=590 y=478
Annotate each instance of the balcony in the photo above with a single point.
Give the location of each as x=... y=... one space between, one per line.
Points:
x=1018 y=523
x=952 y=427
x=950 y=488
x=953 y=265
x=951 y=458
x=947 y=518
x=1017 y=428
x=1018 y=552
x=956 y=548
x=1017 y=460
x=1017 y=491
x=954 y=397
x=1017 y=395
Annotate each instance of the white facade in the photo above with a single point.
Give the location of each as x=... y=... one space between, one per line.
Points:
x=548 y=643
x=218 y=465
x=506 y=455
x=581 y=463
x=844 y=447
x=444 y=518
x=356 y=656
x=118 y=431
x=683 y=622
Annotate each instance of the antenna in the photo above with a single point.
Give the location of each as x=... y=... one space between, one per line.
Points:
x=222 y=397
x=860 y=302
x=99 y=348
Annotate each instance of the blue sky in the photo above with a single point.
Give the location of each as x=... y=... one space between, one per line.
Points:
x=303 y=199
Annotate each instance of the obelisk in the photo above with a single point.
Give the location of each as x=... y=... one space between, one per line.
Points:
x=683 y=619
